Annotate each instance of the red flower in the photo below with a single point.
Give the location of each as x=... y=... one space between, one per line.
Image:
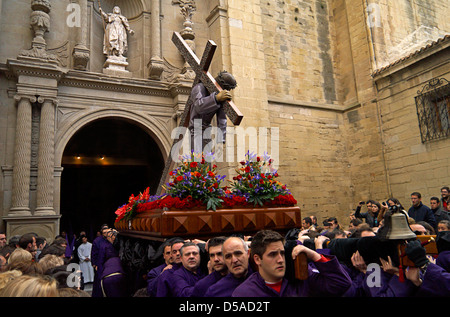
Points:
x=193 y=164
x=179 y=178
x=247 y=169
x=258 y=159
x=216 y=185
x=242 y=162
x=263 y=175
x=261 y=181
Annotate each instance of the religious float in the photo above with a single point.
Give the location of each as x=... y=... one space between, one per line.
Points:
x=195 y=204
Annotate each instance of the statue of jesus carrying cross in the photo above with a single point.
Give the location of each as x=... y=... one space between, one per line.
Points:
x=209 y=97
x=205 y=105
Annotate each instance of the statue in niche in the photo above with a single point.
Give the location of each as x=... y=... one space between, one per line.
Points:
x=115 y=40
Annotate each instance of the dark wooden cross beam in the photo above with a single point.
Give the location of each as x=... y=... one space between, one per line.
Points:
x=200 y=68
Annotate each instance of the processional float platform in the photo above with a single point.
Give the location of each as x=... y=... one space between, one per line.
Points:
x=163 y=224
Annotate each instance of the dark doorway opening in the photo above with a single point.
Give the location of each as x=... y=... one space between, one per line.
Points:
x=104 y=163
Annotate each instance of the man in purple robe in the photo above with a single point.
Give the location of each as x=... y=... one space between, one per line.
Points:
x=236 y=256
x=152 y=275
x=164 y=283
x=113 y=281
x=216 y=267
x=189 y=273
x=98 y=259
x=267 y=251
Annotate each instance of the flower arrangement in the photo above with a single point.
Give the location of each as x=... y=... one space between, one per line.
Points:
x=256 y=180
x=196 y=185
x=196 y=180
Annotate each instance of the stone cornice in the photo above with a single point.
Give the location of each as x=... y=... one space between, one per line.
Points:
x=34 y=69
x=100 y=81
x=96 y=81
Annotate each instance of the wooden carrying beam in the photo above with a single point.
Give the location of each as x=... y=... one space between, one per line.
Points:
x=428 y=242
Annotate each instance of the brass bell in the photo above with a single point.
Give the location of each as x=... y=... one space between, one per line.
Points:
x=400 y=229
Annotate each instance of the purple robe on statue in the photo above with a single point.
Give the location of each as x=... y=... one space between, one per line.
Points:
x=184 y=281
x=202 y=286
x=225 y=286
x=152 y=278
x=332 y=280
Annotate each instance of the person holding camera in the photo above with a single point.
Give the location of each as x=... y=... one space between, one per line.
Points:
x=374 y=208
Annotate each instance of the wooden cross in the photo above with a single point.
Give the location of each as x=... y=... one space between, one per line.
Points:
x=200 y=68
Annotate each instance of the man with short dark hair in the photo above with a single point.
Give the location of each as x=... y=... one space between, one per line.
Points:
x=216 y=267
x=41 y=243
x=164 y=283
x=306 y=223
x=189 y=273
x=267 y=251
x=2 y=239
x=98 y=253
x=28 y=242
x=420 y=212
x=436 y=208
x=153 y=274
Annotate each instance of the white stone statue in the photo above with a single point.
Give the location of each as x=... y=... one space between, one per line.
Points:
x=115 y=39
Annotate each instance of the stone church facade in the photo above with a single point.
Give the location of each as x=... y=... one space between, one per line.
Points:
x=340 y=80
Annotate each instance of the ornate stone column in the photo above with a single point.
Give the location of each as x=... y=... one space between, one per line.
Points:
x=46 y=159
x=80 y=52
x=156 y=65
x=40 y=23
x=188 y=7
x=20 y=200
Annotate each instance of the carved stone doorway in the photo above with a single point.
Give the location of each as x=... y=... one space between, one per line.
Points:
x=104 y=163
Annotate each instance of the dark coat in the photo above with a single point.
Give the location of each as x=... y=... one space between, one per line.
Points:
x=422 y=213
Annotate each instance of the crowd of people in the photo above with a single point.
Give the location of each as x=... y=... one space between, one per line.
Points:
x=337 y=260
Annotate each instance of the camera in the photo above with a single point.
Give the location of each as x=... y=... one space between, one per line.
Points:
x=394 y=208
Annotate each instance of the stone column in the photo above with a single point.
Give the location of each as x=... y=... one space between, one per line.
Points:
x=156 y=65
x=80 y=52
x=20 y=201
x=46 y=159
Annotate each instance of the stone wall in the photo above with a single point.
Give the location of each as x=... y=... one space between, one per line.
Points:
x=413 y=165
